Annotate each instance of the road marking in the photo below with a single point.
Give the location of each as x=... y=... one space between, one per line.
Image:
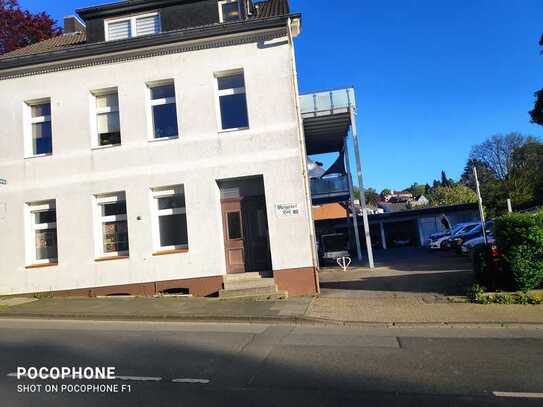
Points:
x=518 y=395
x=199 y=381
x=139 y=378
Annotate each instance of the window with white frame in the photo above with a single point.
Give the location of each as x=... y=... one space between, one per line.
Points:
x=232 y=101
x=39 y=137
x=132 y=26
x=229 y=10
x=169 y=218
x=108 y=125
x=163 y=110
x=42 y=233
x=111 y=225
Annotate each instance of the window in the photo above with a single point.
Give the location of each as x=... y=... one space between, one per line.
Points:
x=229 y=10
x=232 y=102
x=42 y=235
x=40 y=138
x=170 y=218
x=134 y=26
x=234 y=225
x=108 y=126
x=163 y=111
x=112 y=225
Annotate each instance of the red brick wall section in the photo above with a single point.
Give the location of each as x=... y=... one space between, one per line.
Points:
x=298 y=282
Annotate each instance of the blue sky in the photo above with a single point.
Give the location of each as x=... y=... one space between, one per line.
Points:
x=432 y=77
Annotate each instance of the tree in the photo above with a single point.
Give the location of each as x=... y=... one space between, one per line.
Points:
x=445 y=182
x=19 y=28
x=496 y=153
x=452 y=195
x=537 y=113
x=416 y=189
x=527 y=174
x=372 y=197
x=386 y=191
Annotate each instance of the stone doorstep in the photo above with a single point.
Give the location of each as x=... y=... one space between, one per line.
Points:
x=254 y=291
x=246 y=284
x=241 y=277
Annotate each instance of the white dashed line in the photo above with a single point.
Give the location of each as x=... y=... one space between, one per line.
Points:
x=197 y=381
x=518 y=395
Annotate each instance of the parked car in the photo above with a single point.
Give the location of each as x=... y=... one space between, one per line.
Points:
x=459 y=239
x=439 y=240
x=470 y=245
x=333 y=246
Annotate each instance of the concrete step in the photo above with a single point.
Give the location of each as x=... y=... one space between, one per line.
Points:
x=279 y=295
x=246 y=284
x=248 y=292
x=241 y=277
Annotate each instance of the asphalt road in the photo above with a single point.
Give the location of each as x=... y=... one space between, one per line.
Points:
x=171 y=364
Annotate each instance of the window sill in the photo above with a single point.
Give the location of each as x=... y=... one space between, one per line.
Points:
x=39 y=266
x=29 y=157
x=233 y=130
x=156 y=140
x=167 y=252
x=110 y=258
x=105 y=147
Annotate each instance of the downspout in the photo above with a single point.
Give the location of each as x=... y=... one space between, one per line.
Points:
x=303 y=158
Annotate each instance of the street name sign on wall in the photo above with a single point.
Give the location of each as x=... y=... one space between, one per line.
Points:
x=286 y=210
x=3 y=181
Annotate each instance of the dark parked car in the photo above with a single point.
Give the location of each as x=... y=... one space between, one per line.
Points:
x=458 y=240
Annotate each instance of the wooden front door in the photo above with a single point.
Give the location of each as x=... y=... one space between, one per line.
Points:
x=233 y=236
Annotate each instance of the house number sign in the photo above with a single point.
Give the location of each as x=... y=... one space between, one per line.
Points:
x=286 y=210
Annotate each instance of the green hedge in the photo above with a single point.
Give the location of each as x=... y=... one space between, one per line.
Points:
x=519 y=238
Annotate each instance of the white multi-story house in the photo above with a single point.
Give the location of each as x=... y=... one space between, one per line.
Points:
x=157 y=145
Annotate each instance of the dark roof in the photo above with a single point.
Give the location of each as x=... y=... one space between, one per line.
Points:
x=272 y=8
x=52 y=44
x=264 y=10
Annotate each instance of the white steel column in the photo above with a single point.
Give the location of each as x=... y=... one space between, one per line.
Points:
x=361 y=186
x=383 y=236
x=353 y=207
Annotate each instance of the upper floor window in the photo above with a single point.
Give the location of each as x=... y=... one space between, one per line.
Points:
x=108 y=126
x=133 y=26
x=39 y=138
x=229 y=10
x=163 y=110
x=232 y=101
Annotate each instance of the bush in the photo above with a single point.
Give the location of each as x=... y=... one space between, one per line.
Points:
x=519 y=238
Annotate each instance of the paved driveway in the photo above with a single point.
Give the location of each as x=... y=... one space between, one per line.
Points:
x=402 y=272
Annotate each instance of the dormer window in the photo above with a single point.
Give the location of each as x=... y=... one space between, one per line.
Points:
x=229 y=10
x=133 y=26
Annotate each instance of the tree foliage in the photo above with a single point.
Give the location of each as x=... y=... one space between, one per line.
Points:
x=537 y=112
x=451 y=195
x=508 y=167
x=19 y=28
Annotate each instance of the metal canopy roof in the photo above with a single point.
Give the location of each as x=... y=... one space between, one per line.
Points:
x=327 y=119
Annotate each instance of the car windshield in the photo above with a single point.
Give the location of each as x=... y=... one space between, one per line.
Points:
x=466 y=229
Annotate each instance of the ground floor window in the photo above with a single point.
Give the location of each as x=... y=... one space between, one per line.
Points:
x=169 y=218
x=111 y=225
x=42 y=233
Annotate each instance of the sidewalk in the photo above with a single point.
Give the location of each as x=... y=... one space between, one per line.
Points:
x=386 y=311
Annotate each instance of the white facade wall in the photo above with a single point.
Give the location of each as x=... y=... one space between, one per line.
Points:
x=201 y=155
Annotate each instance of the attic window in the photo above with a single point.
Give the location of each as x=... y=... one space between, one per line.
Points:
x=229 y=10
x=134 y=26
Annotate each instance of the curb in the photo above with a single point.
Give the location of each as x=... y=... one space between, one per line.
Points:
x=302 y=321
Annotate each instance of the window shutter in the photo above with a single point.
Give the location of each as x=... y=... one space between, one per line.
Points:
x=148 y=25
x=119 y=30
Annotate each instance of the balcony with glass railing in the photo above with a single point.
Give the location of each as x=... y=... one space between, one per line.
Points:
x=327 y=119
